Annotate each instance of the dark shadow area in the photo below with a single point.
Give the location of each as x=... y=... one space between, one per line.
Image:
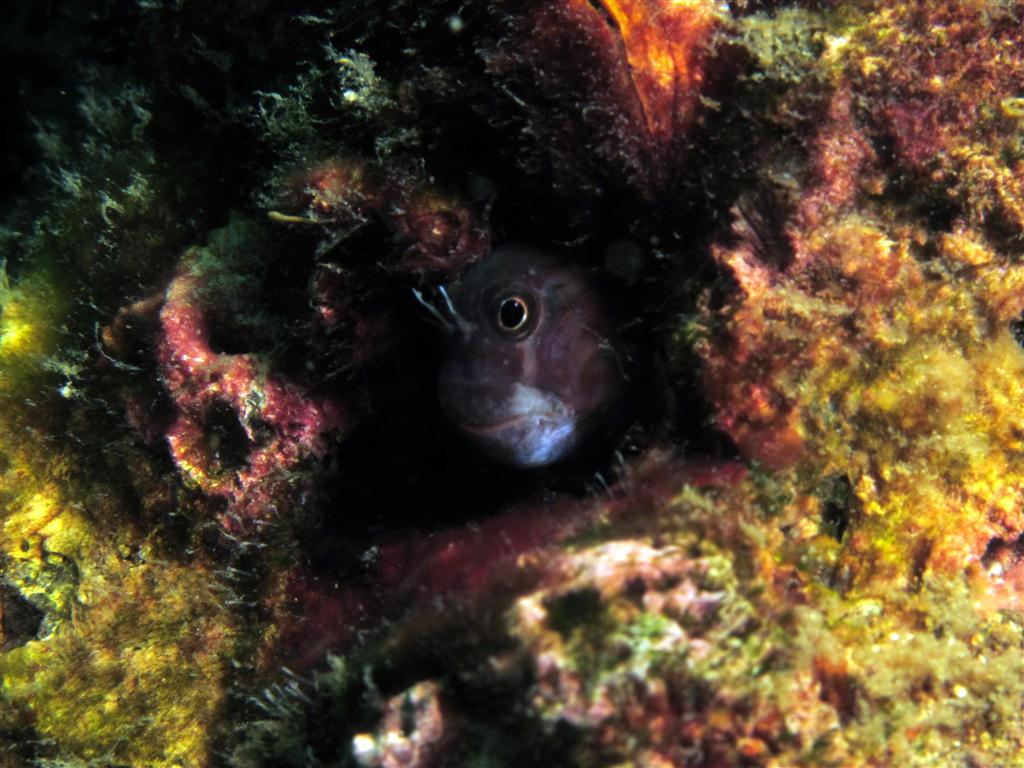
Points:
x=1017 y=329
x=21 y=619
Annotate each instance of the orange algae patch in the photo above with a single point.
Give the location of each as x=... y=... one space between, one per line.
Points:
x=664 y=42
x=877 y=346
x=901 y=375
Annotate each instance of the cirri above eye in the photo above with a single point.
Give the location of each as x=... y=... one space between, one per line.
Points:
x=528 y=376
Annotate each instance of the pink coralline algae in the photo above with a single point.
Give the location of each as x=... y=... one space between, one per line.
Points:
x=659 y=600
x=283 y=425
x=287 y=428
x=434 y=232
x=411 y=731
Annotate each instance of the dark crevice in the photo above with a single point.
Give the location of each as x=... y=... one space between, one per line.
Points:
x=226 y=439
x=1017 y=329
x=1006 y=553
x=838 y=504
x=21 y=619
x=919 y=561
x=605 y=14
x=226 y=339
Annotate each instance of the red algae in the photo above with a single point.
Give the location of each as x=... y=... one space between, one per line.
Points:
x=643 y=68
x=292 y=426
x=437 y=232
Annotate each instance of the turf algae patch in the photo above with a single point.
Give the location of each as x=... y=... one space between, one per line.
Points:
x=868 y=335
x=128 y=661
x=704 y=630
x=721 y=642
x=128 y=664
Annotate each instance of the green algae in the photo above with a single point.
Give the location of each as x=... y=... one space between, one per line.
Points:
x=871 y=677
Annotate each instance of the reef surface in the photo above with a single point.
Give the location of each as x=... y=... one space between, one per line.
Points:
x=237 y=528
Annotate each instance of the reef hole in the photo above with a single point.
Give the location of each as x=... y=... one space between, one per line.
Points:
x=21 y=620
x=1017 y=329
x=228 y=339
x=1003 y=553
x=573 y=610
x=838 y=504
x=226 y=440
x=404 y=470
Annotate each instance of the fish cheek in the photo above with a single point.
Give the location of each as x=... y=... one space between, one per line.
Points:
x=580 y=363
x=600 y=379
x=476 y=379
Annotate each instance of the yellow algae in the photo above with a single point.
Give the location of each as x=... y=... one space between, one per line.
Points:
x=918 y=361
x=31 y=311
x=869 y=677
x=129 y=662
x=15 y=333
x=1013 y=106
x=888 y=340
x=131 y=670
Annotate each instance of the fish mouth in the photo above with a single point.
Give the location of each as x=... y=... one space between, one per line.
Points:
x=527 y=427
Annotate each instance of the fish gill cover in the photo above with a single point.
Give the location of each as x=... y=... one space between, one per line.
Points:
x=238 y=527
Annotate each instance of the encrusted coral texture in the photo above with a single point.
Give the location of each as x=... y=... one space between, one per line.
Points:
x=283 y=426
x=871 y=336
x=692 y=633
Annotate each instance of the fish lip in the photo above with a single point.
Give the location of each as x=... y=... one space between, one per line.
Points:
x=492 y=426
x=534 y=427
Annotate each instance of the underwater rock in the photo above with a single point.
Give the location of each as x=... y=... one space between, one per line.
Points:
x=436 y=232
x=249 y=533
x=676 y=633
x=869 y=334
x=282 y=426
x=410 y=733
x=950 y=121
x=423 y=575
x=644 y=69
x=658 y=602
x=282 y=431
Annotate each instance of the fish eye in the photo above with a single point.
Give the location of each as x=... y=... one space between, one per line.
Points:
x=514 y=315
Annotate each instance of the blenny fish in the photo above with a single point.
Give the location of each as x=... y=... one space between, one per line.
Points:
x=530 y=370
